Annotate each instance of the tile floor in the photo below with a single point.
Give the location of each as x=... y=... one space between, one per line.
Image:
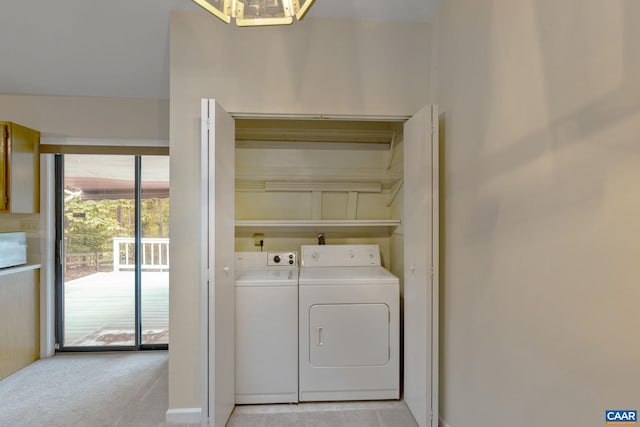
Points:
x=344 y=414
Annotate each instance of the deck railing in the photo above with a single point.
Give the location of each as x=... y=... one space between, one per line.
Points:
x=154 y=253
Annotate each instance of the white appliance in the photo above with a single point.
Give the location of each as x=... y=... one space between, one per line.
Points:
x=13 y=249
x=349 y=324
x=266 y=327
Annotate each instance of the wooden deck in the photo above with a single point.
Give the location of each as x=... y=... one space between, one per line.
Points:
x=99 y=309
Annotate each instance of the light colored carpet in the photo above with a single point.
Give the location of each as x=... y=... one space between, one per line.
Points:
x=129 y=389
x=97 y=389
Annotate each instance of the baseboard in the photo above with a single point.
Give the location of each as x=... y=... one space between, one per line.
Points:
x=184 y=416
x=442 y=422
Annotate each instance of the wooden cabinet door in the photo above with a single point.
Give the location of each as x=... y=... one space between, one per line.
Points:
x=24 y=170
x=19 y=169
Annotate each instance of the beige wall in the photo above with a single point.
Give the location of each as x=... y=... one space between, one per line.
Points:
x=541 y=124
x=317 y=66
x=88 y=117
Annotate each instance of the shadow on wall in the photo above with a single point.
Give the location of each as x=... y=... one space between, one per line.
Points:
x=523 y=189
x=569 y=124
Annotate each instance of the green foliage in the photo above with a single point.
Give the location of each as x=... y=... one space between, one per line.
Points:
x=90 y=225
x=155 y=217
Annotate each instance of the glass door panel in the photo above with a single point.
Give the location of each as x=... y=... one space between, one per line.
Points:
x=155 y=250
x=98 y=246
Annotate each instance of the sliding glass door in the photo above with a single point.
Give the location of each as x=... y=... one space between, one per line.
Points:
x=154 y=213
x=112 y=280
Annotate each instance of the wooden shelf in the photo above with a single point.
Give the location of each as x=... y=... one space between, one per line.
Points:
x=310 y=228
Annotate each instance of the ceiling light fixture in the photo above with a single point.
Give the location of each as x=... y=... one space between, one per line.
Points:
x=249 y=13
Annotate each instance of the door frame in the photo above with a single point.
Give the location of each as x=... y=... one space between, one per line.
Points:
x=205 y=313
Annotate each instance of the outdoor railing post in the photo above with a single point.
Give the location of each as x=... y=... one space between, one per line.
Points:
x=116 y=254
x=157 y=258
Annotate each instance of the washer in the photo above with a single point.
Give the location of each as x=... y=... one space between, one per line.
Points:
x=266 y=327
x=349 y=324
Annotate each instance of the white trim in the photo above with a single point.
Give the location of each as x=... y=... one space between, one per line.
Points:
x=313 y=145
x=293 y=174
x=203 y=280
x=346 y=117
x=47 y=256
x=104 y=142
x=442 y=423
x=435 y=263
x=183 y=416
x=300 y=186
x=310 y=228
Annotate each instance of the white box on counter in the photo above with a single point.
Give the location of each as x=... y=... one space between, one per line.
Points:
x=13 y=249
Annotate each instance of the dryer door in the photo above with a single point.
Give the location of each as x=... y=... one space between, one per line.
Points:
x=346 y=335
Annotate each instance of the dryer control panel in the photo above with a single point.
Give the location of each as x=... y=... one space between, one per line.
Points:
x=340 y=255
x=282 y=258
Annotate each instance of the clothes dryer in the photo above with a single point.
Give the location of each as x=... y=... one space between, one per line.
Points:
x=349 y=324
x=266 y=327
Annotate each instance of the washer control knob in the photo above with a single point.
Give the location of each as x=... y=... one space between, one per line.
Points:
x=290 y=262
x=277 y=259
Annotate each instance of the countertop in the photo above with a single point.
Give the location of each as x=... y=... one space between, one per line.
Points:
x=18 y=269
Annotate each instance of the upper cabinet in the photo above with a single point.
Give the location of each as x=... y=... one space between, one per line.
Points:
x=19 y=169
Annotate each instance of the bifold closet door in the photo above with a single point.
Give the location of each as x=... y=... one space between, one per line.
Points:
x=420 y=266
x=217 y=186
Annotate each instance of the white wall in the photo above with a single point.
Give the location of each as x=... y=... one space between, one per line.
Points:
x=541 y=294
x=315 y=66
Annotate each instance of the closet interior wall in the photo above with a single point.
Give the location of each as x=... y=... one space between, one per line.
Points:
x=318 y=171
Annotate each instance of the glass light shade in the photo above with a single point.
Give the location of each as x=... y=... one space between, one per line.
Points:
x=257 y=12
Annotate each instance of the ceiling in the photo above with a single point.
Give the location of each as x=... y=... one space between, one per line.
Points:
x=99 y=48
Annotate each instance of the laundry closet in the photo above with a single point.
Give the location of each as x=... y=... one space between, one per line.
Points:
x=257 y=172
x=300 y=181
x=314 y=188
